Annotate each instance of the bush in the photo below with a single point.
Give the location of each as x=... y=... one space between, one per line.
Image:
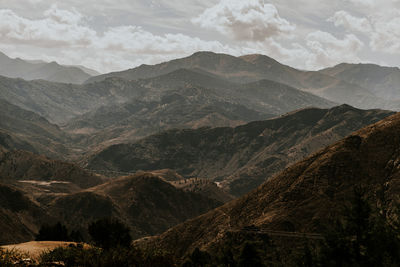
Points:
x=57 y=232
x=11 y=257
x=109 y=233
x=97 y=257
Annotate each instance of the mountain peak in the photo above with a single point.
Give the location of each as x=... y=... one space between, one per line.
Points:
x=203 y=53
x=256 y=57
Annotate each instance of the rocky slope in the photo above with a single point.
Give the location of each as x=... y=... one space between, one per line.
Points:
x=305 y=197
x=239 y=158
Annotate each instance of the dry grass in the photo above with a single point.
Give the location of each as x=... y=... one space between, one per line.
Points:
x=34 y=248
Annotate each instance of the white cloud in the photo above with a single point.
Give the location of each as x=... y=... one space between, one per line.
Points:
x=252 y=20
x=118 y=47
x=136 y=40
x=382 y=29
x=327 y=49
x=386 y=34
x=111 y=35
x=367 y=3
x=57 y=28
x=343 y=18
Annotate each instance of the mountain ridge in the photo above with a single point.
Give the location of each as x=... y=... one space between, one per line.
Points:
x=305 y=197
x=33 y=70
x=240 y=156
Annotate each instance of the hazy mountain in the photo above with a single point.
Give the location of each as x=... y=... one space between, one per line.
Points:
x=384 y=82
x=239 y=158
x=190 y=99
x=305 y=197
x=89 y=71
x=32 y=70
x=22 y=129
x=252 y=68
x=59 y=102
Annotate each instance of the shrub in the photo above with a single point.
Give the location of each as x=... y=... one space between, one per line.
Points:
x=57 y=232
x=109 y=233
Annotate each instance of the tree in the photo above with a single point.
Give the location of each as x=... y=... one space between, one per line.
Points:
x=249 y=256
x=56 y=232
x=364 y=238
x=109 y=233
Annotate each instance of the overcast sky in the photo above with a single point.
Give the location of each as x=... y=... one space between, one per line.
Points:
x=110 y=35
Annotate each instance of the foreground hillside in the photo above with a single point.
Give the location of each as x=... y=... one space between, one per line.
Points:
x=147 y=204
x=35 y=190
x=307 y=196
x=238 y=158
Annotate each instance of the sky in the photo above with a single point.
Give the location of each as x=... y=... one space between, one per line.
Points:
x=112 y=35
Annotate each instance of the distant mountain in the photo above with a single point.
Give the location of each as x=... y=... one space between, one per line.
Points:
x=239 y=158
x=89 y=71
x=190 y=99
x=33 y=70
x=253 y=68
x=384 y=82
x=59 y=102
x=304 y=198
x=22 y=129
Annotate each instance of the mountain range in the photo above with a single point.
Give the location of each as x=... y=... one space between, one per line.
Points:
x=189 y=99
x=195 y=150
x=256 y=67
x=239 y=158
x=304 y=198
x=34 y=70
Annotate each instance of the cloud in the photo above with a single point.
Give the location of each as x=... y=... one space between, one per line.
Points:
x=386 y=34
x=252 y=20
x=136 y=40
x=382 y=29
x=66 y=32
x=57 y=28
x=367 y=3
x=327 y=49
x=343 y=18
x=108 y=36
